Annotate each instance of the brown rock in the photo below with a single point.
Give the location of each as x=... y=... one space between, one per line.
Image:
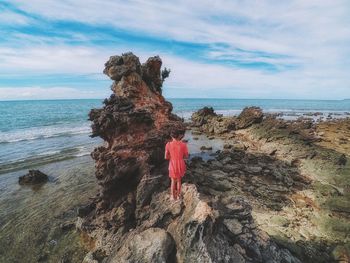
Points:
x=151 y=245
x=249 y=116
x=33 y=177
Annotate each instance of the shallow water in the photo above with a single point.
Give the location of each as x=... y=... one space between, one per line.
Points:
x=31 y=218
x=195 y=142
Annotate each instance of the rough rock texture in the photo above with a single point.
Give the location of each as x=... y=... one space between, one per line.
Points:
x=314 y=222
x=202 y=116
x=207 y=121
x=249 y=116
x=198 y=229
x=135 y=123
x=204 y=232
x=133 y=219
x=151 y=245
x=33 y=177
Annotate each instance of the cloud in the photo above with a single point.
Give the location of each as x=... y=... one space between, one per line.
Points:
x=29 y=93
x=12 y=18
x=262 y=48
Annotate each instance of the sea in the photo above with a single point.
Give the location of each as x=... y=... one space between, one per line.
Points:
x=44 y=131
x=54 y=136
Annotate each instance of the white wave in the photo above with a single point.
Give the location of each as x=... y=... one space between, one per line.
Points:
x=82 y=154
x=82 y=151
x=284 y=112
x=44 y=132
x=49 y=153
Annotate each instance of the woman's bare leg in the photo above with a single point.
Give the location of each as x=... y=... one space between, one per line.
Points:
x=173 y=188
x=178 y=187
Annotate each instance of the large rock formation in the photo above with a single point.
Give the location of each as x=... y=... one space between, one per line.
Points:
x=133 y=219
x=135 y=124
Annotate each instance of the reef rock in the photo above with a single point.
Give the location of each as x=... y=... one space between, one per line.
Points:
x=209 y=122
x=202 y=116
x=135 y=123
x=249 y=116
x=151 y=245
x=33 y=177
x=132 y=219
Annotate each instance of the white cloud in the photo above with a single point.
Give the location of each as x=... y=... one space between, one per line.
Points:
x=12 y=18
x=52 y=59
x=28 y=93
x=313 y=37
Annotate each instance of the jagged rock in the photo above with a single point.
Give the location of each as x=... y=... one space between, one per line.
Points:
x=151 y=245
x=249 y=116
x=136 y=113
x=202 y=116
x=33 y=177
x=135 y=123
x=132 y=218
x=119 y=66
x=234 y=226
x=210 y=122
x=151 y=73
x=84 y=210
x=342 y=160
x=201 y=233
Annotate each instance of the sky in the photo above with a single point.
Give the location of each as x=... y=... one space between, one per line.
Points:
x=292 y=49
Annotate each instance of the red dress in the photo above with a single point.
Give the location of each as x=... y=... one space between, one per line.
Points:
x=175 y=152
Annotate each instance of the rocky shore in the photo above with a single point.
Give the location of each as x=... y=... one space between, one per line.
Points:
x=277 y=191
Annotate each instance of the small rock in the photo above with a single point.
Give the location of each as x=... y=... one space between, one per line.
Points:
x=254 y=169
x=33 y=177
x=228 y=146
x=89 y=258
x=234 y=226
x=206 y=148
x=83 y=211
x=273 y=152
x=66 y=226
x=53 y=242
x=342 y=160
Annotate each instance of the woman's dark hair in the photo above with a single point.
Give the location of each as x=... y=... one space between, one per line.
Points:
x=177 y=134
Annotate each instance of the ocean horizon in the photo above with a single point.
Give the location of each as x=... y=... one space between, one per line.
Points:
x=35 y=132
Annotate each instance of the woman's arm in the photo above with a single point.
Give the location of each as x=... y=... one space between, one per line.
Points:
x=167 y=153
x=185 y=151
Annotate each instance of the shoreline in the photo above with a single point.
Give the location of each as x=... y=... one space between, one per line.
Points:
x=219 y=142
x=314 y=218
x=263 y=197
x=37 y=222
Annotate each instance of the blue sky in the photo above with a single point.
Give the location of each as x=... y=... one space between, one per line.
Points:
x=52 y=49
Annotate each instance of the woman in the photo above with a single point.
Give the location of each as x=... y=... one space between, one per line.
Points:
x=175 y=151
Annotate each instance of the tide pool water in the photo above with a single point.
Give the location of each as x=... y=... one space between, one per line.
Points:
x=38 y=132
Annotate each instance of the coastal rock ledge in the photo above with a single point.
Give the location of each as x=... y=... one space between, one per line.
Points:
x=132 y=218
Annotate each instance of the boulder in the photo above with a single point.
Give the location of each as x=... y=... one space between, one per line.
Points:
x=209 y=122
x=33 y=177
x=151 y=245
x=202 y=116
x=119 y=66
x=249 y=116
